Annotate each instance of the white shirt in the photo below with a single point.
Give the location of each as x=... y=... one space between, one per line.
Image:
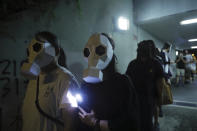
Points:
x=52 y=98
x=188 y=58
x=166 y=66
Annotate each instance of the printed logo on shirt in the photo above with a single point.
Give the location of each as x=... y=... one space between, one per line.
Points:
x=48 y=91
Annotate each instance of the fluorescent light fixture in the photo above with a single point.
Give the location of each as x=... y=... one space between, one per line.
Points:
x=177 y=52
x=192 y=40
x=190 y=21
x=123 y=23
x=194 y=47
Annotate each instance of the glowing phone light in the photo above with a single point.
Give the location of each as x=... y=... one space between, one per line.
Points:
x=72 y=99
x=78 y=97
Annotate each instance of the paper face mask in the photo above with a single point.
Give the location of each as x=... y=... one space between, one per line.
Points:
x=98 y=52
x=40 y=54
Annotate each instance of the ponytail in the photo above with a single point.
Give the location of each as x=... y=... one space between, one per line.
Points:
x=62 y=58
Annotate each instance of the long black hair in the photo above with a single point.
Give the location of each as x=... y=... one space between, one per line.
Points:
x=52 y=39
x=166 y=46
x=146 y=50
x=62 y=58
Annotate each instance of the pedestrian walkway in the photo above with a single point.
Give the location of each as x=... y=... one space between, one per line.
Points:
x=187 y=92
x=182 y=114
x=178 y=118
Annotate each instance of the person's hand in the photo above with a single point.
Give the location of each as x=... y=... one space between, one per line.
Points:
x=87 y=118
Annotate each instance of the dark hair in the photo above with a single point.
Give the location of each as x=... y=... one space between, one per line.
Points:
x=52 y=39
x=62 y=58
x=157 y=52
x=185 y=51
x=111 y=68
x=166 y=45
x=110 y=40
x=146 y=49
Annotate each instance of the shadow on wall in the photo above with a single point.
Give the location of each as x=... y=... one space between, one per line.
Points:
x=77 y=69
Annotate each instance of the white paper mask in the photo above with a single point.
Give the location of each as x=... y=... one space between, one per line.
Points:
x=40 y=54
x=98 y=52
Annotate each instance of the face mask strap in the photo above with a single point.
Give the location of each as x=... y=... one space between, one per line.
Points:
x=55 y=120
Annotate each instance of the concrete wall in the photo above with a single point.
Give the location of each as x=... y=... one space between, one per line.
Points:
x=152 y=9
x=72 y=30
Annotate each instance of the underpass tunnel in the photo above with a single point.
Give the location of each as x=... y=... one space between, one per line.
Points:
x=73 y=21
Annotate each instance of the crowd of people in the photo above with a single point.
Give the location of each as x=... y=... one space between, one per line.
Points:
x=185 y=68
x=110 y=101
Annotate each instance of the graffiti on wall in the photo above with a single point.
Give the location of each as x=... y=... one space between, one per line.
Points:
x=10 y=72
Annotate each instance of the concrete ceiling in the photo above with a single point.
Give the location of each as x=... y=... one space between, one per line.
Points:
x=167 y=28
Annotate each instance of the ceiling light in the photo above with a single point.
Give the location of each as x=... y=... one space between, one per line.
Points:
x=194 y=47
x=190 y=21
x=123 y=23
x=192 y=40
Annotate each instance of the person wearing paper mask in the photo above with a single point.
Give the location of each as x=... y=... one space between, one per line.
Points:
x=45 y=106
x=109 y=100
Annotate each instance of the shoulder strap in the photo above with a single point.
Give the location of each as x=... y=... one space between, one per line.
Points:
x=40 y=109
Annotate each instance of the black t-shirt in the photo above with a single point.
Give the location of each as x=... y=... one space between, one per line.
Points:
x=144 y=76
x=180 y=64
x=111 y=101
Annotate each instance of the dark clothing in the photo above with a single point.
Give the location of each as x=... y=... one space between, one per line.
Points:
x=113 y=100
x=159 y=59
x=180 y=64
x=144 y=76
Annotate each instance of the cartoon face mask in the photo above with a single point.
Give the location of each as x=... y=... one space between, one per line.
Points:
x=98 y=52
x=40 y=54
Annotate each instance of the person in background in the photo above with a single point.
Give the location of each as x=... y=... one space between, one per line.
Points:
x=188 y=66
x=110 y=101
x=166 y=67
x=193 y=64
x=180 y=68
x=158 y=57
x=166 y=61
x=45 y=106
x=147 y=75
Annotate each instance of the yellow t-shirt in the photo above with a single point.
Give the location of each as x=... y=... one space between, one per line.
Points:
x=52 y=98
